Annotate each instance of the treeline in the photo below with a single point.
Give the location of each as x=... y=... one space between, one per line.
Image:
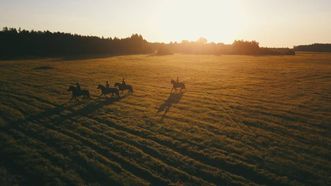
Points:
x=237 y=48
x=23 y=43
x=317 y=47
x=17 y=43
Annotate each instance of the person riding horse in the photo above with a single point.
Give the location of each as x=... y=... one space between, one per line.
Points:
x=107 y=90
x=123 y=82
x=123 y=86
x=107 y=84
x=77 y=91
x=176 y=84
x=78 y=87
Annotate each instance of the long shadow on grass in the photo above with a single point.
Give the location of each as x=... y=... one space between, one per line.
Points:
x=69 y=110
x=173 y=98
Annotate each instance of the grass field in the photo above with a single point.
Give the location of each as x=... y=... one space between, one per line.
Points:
x=243 y=120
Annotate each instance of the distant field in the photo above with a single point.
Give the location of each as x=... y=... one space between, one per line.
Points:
x=242 y=120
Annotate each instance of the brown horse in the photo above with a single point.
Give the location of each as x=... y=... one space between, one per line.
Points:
x=105 y=90
x=176 y=85
x=77 y=93
x=122 y=87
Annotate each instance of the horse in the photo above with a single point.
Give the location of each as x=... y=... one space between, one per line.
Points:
x=176 y=85
x=105 y=90
x=77 y=93
x=122 y=87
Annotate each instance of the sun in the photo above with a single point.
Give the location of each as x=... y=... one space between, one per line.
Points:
x=218 y=21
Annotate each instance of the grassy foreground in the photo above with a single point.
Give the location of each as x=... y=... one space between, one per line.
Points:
x=242 y=120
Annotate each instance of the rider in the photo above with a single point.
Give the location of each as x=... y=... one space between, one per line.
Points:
x=78 y=87
x=177 y=81
x=107 y=84
x=123 y=82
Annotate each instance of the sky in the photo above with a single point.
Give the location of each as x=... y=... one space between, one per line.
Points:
x=273 y=23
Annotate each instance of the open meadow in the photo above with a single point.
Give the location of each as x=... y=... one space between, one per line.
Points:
x=242 y=120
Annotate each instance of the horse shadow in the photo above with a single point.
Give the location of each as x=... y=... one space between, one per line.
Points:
x=67 y=111
x=172 y=99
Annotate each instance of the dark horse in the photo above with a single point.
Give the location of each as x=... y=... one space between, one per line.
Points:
x=105 y=90
x=77 y=93
x=122 y=87
x=176 y=85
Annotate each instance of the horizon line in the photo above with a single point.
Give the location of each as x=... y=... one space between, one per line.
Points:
x=151 y=41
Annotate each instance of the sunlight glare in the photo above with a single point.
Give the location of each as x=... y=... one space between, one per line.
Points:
x=221 y=21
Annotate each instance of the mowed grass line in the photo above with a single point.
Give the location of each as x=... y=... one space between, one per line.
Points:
x=62 y=119
x=180 y=147
x=111 y=155
x=15 y=142
x=160 y=152
x=46 y=120
x=29 y=121
x=158 y=165
x=98 y=163
x=147 y=127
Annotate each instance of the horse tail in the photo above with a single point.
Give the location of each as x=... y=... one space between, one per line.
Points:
x=131 y=89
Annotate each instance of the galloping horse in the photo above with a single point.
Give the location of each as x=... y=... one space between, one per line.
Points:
x=77 y=93
x=105 y=90
x=122 y=87
x=176 y=85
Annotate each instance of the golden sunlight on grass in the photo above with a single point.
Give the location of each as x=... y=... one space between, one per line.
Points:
x=241 y=120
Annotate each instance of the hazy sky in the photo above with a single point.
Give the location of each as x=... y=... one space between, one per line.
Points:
x=271 y=22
